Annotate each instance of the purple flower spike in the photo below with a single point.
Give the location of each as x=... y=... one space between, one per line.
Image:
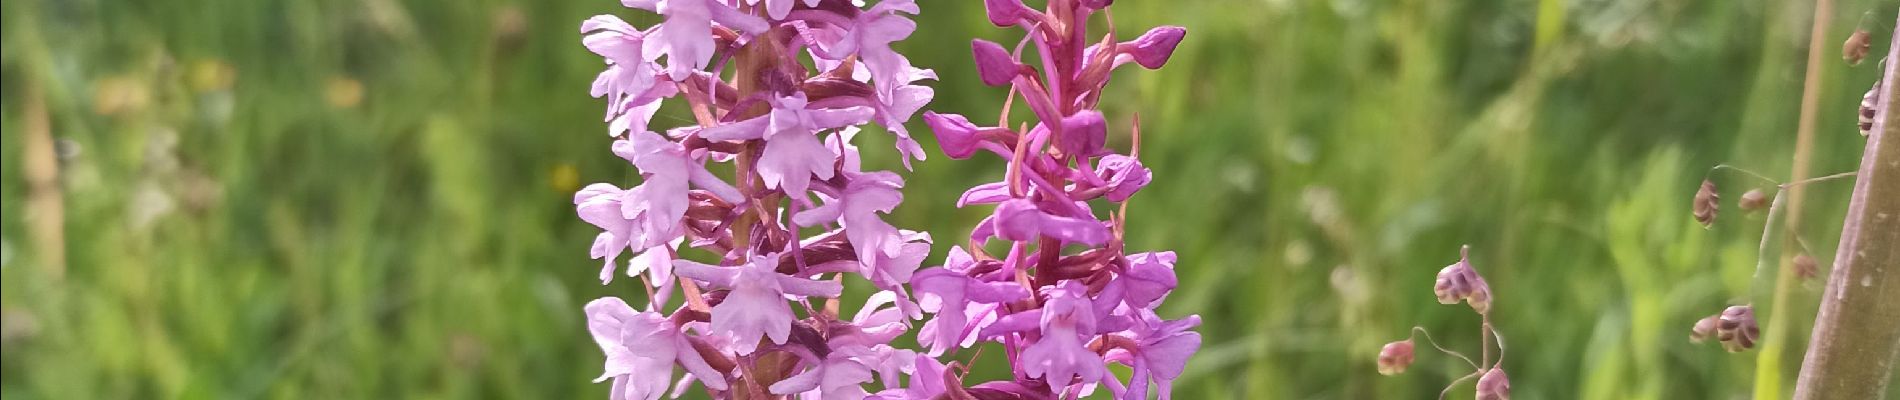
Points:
x=1152 y=49
x=778 y=89
x=993 y=63
x=1095 y=303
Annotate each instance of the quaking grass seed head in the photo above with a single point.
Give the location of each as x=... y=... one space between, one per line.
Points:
x=1494 y=385
x=1737 y=328
x=1395 y=357
x=1753 y=200
x=1704 y=329
x=1459 y=282
x=1805 y=267
x=1855 y=48
x=1706 y=203
x=1869 y=105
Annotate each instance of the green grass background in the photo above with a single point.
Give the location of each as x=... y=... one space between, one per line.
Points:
x=232 y=231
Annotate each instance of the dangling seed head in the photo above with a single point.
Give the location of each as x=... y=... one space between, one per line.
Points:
x=1737 y=329
x=1868 y=106
x=1458 y=282
x=1753 y=200
x=1395 y=356
x=1855 y=48
x=1704 y=329
x=1706 y=203
x=1805 y=267
x=1494 y=385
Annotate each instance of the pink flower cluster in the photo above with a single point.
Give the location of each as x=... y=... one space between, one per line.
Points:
x=1065 y=298
x=778 y=89
x=785 y=129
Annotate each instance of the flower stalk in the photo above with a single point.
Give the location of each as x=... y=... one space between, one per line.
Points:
x=1856 y=341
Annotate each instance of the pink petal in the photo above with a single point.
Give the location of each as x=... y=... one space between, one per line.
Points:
x=955 y=134
x=994 y=64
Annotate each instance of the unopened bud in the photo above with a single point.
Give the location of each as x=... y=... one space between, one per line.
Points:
x=1395 y=356
x=1737 y=329
x=1753 y=200
x=994 y=65
x=1004 y=13
x=1152 y=49
x=1458 y=282
x=1706 y=203
x=1494 y=385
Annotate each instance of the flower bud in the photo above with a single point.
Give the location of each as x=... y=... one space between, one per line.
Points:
x=1395 y=356
x=1706 y=203
x=955 y=134
x=1737 y=329
x=1753 y=200
x=1494 y=385
x=1004 y=13
x=1083 y=133
x=993 y=63
x=1152 y=49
